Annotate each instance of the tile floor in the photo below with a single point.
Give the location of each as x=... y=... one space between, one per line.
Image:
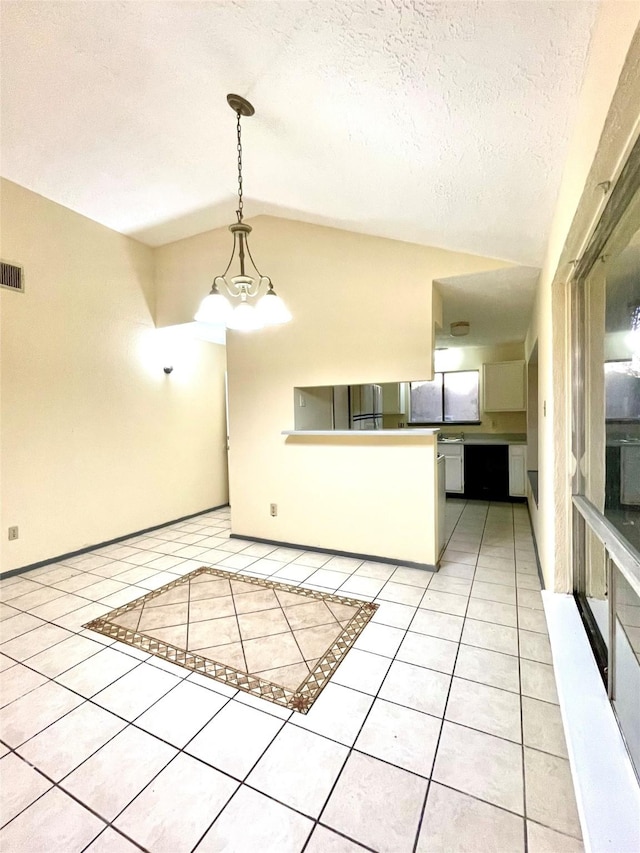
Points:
x=439 y=732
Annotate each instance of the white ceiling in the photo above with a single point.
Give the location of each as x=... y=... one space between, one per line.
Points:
x=442 y=123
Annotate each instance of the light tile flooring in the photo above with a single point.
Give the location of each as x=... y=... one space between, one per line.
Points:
x=439 y=732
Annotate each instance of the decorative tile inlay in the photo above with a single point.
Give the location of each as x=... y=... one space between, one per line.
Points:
x=279 y=642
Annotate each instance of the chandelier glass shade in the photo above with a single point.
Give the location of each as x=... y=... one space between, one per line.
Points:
x=243 y=302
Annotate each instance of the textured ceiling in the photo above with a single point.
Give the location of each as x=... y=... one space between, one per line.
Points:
x=497 y=305
x=441 y=123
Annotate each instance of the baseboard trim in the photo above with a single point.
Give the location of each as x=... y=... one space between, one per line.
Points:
x=86 y=550
x=356 y=556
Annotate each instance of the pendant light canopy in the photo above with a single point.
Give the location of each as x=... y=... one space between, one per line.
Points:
x=253 y=310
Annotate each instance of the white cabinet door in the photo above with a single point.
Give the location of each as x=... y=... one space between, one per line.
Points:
x=503 y=387
x=454 y=469
x=517 y=470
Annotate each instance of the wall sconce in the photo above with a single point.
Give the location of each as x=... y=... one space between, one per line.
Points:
x=168 y=370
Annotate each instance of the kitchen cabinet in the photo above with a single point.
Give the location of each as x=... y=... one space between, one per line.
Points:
x=503 y=387
x=453 y=468
x=517 y=470
x=395 y=398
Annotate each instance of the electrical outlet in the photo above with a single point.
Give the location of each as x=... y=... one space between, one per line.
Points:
x=273 y=509
x=13 y=533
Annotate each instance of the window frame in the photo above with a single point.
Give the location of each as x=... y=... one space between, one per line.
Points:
x=443 y=422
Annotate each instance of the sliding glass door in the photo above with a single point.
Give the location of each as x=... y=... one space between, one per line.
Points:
x=606 y=447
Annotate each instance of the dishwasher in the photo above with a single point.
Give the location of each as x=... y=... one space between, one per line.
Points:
x=486 y=472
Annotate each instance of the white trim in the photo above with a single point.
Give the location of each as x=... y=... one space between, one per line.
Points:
x=363 y=433
x=607 y=791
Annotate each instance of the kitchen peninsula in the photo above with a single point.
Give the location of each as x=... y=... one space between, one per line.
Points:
x=384 y=488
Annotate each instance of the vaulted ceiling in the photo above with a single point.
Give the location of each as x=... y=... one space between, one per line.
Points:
x=441 y=123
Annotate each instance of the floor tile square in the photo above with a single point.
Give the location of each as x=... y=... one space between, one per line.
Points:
x=453 y=822
x=136 y=691
x=416 y=687
x=413 y=577
x=235 y=739
x=532 y=620
x=479 y=764
x=338 y=714
x=530 y=598
x=496 y=638
x=435 y=624
x=380 y=639
x=302 y=783
x=401 y=593
x=534 y=646
x=550 y=797
x=488 y=709
x=54 y=822
x=34 y=711
x=402 y=736
x=64 y=655
x=309 y=615
x=542 y=727
x=26 y=785
x=487 y=667
x=181 y=713
x=538 y=681
x=362 y=671
x=372 y=569
x=541 y=839
x=431 y=652
x=118 y=771
x=360 y=585
x=492 y=611
x=445 y=602
x=394 y=615
x=29 y=644
x=111 y=841
x=213 y=632
x=18 y=680
x=174 y=811
x=94 y=674
x=61 y=747
x=377 y=804
x=14 y=626
x=327 y=578
x=493 y=592
x=273 y=828
x=265 y=623
x=324 y=840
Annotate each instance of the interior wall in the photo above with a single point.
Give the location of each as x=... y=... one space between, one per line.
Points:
x=97 y=441
x=472 y=358
x=362 y=309
x=606 y=120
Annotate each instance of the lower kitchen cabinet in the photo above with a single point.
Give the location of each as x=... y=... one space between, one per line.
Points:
x=517 y=470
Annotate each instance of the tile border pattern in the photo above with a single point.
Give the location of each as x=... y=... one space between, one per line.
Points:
x=301 y=699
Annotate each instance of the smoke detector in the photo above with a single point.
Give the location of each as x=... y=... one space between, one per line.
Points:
x=459 y=329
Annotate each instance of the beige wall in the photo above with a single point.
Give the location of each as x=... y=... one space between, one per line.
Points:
x=362 y=310
x=606 y=120
x=97 y=441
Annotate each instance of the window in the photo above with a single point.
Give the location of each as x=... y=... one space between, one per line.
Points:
x=450 y=397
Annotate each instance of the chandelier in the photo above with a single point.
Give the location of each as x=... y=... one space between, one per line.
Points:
x=250 y=312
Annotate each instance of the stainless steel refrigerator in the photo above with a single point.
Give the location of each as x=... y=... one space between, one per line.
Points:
x=365 y=405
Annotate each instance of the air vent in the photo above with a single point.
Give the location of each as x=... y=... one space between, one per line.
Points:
x=11 y=277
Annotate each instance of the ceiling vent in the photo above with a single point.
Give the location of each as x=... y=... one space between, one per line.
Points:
x=11 y=277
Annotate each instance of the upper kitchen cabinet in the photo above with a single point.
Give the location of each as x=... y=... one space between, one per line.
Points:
x=503 y=386
x=395 y=398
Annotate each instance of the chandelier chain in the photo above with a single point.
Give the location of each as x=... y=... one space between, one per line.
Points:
x=240 y=202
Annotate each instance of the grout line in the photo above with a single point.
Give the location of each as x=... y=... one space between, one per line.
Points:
x=444 y=711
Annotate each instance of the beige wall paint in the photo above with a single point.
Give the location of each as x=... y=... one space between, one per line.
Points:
x=606 y=120
x=363 y=312
x=97 y=441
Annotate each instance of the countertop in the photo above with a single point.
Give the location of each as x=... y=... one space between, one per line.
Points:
x=490 y=438
x=362 y=433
